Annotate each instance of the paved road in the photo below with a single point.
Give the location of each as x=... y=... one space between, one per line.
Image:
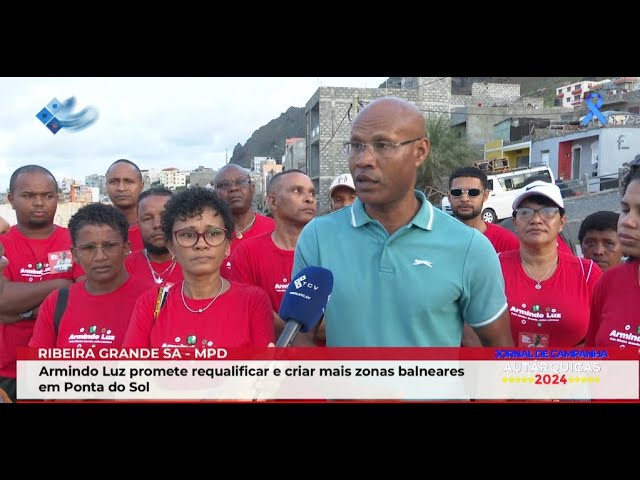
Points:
x=579 y=207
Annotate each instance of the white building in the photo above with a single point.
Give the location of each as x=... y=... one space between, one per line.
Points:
x=172 y=178
x=152 y=174
x=572 y=95
x=258 y=161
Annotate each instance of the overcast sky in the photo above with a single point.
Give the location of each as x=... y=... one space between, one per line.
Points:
x=155 y=122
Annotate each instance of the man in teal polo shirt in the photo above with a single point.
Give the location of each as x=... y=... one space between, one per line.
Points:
x=405 y=273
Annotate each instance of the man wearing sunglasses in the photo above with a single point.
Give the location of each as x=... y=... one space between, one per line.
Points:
x=467 y=194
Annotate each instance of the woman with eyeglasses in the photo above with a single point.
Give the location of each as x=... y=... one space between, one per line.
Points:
x=204 y=310
x=98 y=309
x=615 y=310
x=548 y=291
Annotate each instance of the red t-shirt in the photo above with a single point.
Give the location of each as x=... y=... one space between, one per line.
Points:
x=557 y=315
x=31 y=260
x=258 y=261
x=170 y=272
x=240 y=317
x=502 y=239
x=89 y=320
x=615 y=309
x=135 y=237
x=261 y=226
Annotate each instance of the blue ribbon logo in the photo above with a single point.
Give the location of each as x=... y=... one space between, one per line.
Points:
x=58 y=115
x=594 y=109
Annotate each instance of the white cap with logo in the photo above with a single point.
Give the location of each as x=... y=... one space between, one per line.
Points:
x=545 y=189
x=344 y=180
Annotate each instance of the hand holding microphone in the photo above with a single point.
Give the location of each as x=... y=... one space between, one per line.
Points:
x=304 y=302
x=301 y=309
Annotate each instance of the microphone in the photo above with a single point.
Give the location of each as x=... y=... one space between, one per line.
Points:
x=304 y=302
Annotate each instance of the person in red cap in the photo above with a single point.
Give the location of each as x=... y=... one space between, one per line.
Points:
x=548 y=291
x=342 y=191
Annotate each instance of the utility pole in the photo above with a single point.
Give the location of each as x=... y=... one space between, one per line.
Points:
x=226 y=156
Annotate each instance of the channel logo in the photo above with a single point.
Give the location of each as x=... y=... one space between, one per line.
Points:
x=57 y=115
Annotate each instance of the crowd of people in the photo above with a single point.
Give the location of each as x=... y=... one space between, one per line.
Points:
x=202 y=268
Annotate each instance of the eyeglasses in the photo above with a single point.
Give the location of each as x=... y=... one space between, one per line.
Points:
x=89 y=250
x=472 y=192
x=379 y=149
x=228 y=184
x=528 y=213
x=187 y=237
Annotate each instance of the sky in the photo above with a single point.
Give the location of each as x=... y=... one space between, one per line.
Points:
x=154 y=122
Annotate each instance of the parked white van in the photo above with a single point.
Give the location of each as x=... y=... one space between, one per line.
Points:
x=504 y=188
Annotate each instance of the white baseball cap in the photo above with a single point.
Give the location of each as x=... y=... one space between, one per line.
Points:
x=548 y=190
x=344 y=180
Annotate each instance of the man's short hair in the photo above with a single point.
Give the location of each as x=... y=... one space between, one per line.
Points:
x=29 y=169
x=124 y=160
x=155 y=191
x=473 y=172
x=276 y=178
x=598 y=221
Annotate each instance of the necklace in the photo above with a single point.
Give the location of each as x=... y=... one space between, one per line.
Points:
x=538 y=286
x=240 y=232
x=200 y=310
x=157 y=277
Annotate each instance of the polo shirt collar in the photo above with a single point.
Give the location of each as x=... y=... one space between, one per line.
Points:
x=423 y=219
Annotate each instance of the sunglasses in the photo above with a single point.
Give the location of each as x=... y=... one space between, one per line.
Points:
x=472 y=192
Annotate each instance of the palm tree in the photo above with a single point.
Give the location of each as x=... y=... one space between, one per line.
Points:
x=449 y=150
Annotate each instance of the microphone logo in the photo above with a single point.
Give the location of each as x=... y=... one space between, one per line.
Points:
x=298 y=282
x=57 y=115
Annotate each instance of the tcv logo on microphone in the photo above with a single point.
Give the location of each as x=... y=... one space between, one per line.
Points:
x=300 y=282
x=57 y=115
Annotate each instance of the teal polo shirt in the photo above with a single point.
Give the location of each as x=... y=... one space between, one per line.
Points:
x=410 y=289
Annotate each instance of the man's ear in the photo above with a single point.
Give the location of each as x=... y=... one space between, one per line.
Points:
x=271 y=201
x=424 y=147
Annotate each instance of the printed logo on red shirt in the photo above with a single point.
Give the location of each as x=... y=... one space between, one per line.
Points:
x=92 y=336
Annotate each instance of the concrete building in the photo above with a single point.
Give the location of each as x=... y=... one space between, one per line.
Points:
x=97 y=181
x=594 y=152
x=151 y=176
x=258 y=161
x=572 y=95
x=268 y=169
x=330 y=111
x=66 y=183
x=483 y=124
x=294 y=156
x=201 y=176
x=172 y=178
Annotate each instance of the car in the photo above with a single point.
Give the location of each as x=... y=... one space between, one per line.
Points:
x=504 y=188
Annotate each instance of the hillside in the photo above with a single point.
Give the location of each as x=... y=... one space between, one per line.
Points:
x=265 y=141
